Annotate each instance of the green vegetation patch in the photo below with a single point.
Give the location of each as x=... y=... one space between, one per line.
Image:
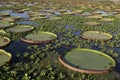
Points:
x=88 y=59
x=4 y=57
x=96 y=35
x=20 y=29
x=41 y=37
x=4 y=41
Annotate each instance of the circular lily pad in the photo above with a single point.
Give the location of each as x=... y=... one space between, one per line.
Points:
x=2 y=32
x=62 y=10
x=4 y=24
x=38 y=38
x=92 y=23
x=95 y=17
x=37 y=18
x=4 y=57
x=4 y=41
x=87 y=61
x=4 y=14
x=107 y=19
x=96 y=35
x=20 y=29
x=8 y=20
x=15 y=17
x=54 y=18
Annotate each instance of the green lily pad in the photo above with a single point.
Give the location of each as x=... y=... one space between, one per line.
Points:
x=4 y=14
x=4 y=24
x=96 y=35
x=38 y=38
x=4 y=57
x=20 y=29
x=2 y=32
x=4 y=41
x=95 y=17
x=8 y=20
x=15 y=17
x=92 y=23
x=37 y=18
x=87 y=61
x=55 y=18
x=107 y=19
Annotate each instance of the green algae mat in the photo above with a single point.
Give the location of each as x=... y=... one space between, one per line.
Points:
x=20 y=29
x=96 y=35
x=87 y=60
x=4 y=41
x=41 y=37
x=4 y=57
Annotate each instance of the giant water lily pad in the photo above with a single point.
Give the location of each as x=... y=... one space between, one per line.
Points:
x=92 y=23
x=87 y=61
x=3 y=14
x=8 y=20
x=94 y=17
x=15 y=17
x=37 y=38
x=4 y=57
x=6 y=24
x=4 y=41
x=37 y=18
x=55 y=18
x=107 y=19
x=96 y=35
x=20 y=29
x=2 y=32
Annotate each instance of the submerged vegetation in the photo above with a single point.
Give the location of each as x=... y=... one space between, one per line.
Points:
x=68 y=21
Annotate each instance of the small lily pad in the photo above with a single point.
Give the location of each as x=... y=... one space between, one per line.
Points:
x=107 y=19
x=55 y=18
x=20 y=29
x=4 y=14
x=4 y=41
x=92 y=23
x=96 y=35
x=6 y=24
x=38 y=38
x=4 y=57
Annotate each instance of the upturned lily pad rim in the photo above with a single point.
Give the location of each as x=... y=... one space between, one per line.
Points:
x=89 y=38
x=7 y=54
x=8 y=41
x=87 y=70
x=38 y=42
